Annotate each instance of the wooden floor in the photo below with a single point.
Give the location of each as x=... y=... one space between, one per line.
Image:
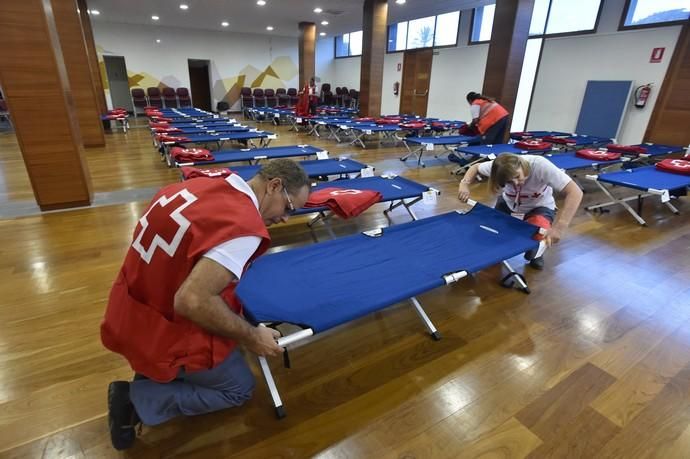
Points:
x=594 y=363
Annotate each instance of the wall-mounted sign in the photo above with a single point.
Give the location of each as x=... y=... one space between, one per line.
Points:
x=399 y=66
x=657 y=55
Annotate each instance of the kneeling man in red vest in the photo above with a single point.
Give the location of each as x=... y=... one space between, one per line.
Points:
x=172 y=312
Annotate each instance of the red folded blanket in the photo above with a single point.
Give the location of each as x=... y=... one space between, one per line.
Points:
x=466 y=129
x=676 y=166
x=631 y=149
x=533 y=145
x=214 y=172
x=171 y=138
x=190 y=155
x=387 y=120
x=364 y=119
x=413 y=125
x=344 y=202
x=560 y=140
x=154 y=124
x=597 y=155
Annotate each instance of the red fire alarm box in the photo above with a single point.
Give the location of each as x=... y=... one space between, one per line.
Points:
x=657 y=55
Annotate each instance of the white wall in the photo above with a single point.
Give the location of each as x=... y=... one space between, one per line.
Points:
x=232 y=55
x=324 y=54
x=346 y=72
x=390 y=103
x=454 y=73
x=568 y=62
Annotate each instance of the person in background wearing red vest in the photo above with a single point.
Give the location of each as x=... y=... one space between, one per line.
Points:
x=172 y=312
x=527 y=184
x=488 y=117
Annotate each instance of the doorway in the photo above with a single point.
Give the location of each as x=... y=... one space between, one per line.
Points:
x=116 y=71
x=414 y=94
x=200 y=83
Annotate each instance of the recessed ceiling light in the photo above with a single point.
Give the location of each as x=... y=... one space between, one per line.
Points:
x=184 y=7
x=158 y=40
x=317 y=10
x=261 y=2
x=400 y=2
x=155 y=18
x=225 y=23
x=269 y=28
x=323 y=34
x=324 y=22
x=95 y=12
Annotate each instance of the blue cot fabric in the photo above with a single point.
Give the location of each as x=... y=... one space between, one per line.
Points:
x=202 y=138
x=313 y=168
x=210 y=129
x=228 y=156
x=327 y=284
x=569 y=161
x=660 y=150
x=644 y=178
x=444 y=139
x=517 y=136
x=497 y=149
x=391 y=189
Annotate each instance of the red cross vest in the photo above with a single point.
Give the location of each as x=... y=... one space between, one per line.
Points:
x=490 y=113
x=182 y=223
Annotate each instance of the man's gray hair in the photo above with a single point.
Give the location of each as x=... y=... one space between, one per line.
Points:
x=293 y=176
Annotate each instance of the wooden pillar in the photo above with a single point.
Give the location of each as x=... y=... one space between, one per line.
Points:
x=37 y=89
x=307 y=45
x=94 y=66
x=507 y=50
x=670 y=119
x=373 y=51
x=78 y=72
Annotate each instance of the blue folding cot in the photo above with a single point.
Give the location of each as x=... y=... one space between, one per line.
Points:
x=322 y=286
x=253 y=155
x=219 y=139
x=649 y=180
x=480 y=153
x=429 y=143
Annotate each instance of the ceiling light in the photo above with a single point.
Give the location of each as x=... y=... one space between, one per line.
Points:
x=261 y=2
x=400 y=2
x=225 y=23
x=155 y=18
x=95 y=12
x=317 y=10
x=324 y=22
x=323 y=34
x=158 y=40
x=269 y=28
x=184 y=7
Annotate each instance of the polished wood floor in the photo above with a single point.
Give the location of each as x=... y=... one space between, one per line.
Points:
x=594 y=363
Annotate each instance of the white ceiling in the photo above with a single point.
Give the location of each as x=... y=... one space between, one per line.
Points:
x=246 y=16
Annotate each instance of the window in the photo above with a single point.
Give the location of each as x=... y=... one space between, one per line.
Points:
x=647 y=12
x=420 y=33
x=441 y=30
x=447 y=29
x=349 y=44
x=482 y=23
x=397 y=37
x=570 y=16
x=538 y=24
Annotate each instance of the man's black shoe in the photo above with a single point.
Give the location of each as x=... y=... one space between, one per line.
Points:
x=122 y=418
x=537 y=263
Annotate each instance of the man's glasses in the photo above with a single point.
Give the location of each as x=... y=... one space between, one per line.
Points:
x=290 y=209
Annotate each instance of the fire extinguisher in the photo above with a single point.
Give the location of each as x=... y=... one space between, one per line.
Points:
x=396 y=88
x=642 y=94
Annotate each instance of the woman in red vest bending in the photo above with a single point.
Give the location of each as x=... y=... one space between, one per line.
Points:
x=488 y=117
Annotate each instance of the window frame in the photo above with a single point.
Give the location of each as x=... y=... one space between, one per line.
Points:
x=335 y=47
x=626 y=9
x=547 y=35
x=454 y=45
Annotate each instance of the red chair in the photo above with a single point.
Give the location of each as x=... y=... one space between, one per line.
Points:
x=294 y=98
x=345 y=97
x=183 y=97
x=354 y=98
x=259 y=97
x=155 y=99
x=139 y=100
x=169 y=97
x=270 y=96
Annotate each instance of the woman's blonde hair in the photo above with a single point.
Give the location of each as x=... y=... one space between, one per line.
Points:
x=504 y=169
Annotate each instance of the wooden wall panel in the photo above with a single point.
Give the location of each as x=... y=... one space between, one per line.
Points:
x=94 y=67
x=37 y=90
x=307 y=60
x=374 y=42
x=670 y=121
x=78 y=72
x=507 y=50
